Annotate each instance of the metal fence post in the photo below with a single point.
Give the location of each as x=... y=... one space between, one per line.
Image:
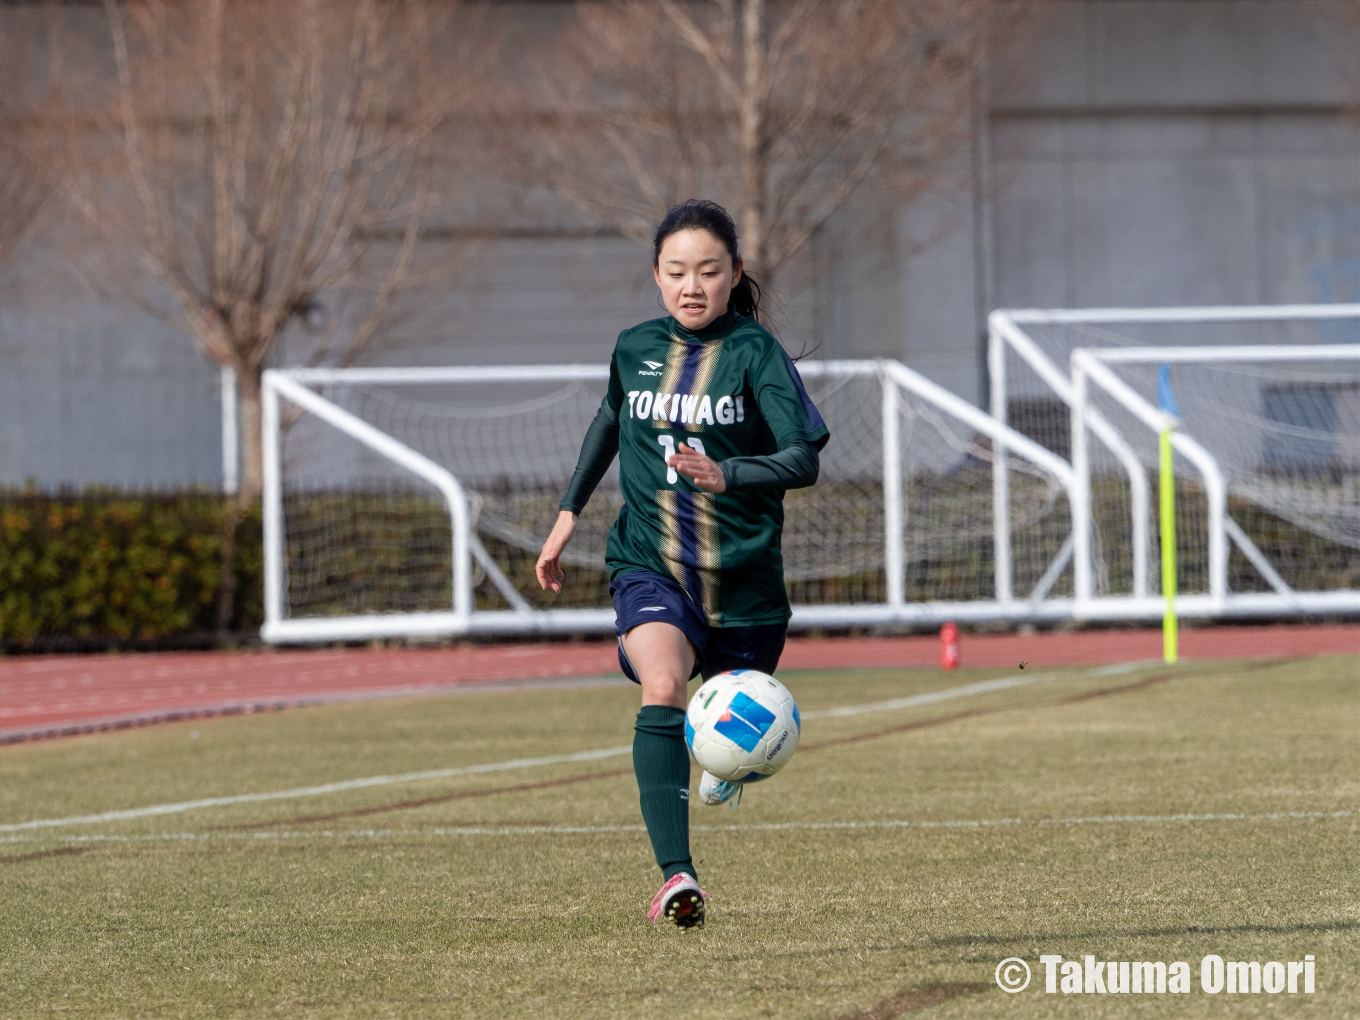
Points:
x=273 y=502
x=1001 y=477
x=894 y=567
x=1081 y=490
x=230 y=435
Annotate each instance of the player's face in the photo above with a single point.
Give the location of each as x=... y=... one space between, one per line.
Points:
x=696 y=277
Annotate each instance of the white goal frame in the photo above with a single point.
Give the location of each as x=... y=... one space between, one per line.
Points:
x=1073 y=384
x=461 y=619
x=1089 y=368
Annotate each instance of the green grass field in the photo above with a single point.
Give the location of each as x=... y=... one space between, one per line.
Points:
x=521 y=892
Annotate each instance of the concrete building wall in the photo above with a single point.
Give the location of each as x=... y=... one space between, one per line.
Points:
x=96 y=393
x=1158 y=152
x=1154 y=152
x=1180 y=153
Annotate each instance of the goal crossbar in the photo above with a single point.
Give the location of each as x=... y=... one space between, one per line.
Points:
x=898 y=387
x=1090 y=365
x=1055 y=571
x=1089 y=369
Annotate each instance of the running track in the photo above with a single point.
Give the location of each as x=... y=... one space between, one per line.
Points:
x=49 y=696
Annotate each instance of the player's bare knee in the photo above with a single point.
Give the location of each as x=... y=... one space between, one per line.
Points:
x=664 y=687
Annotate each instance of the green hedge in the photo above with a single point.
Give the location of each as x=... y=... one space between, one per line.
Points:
x=114 y=568
x=110 y=569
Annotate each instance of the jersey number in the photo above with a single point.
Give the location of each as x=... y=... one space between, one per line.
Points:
x=668 y=451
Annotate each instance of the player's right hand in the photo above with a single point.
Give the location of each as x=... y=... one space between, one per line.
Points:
x=548 y=569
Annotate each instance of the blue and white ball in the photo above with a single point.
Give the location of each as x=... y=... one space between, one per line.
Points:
x=741 y=725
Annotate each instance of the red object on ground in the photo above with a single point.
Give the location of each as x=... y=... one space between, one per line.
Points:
x=54 y=695
x=949 y=646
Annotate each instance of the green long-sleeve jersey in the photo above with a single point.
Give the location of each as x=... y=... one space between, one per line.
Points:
x=728 y=391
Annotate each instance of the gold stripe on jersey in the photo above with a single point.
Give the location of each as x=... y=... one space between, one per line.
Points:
x=670 y=381
x=710 y=554
x=670 y=536
x=708 y=571
x=703 y=375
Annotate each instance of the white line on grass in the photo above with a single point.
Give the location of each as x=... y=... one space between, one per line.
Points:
x=1114 y=669
x=594 y=830
x=929 y=698
x=318 y=791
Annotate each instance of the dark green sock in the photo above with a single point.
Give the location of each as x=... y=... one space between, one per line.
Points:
x=661 y=763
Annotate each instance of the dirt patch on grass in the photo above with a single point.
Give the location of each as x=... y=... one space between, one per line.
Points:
x=914 y=1000
x=66 y=851
x=974 y=713
x=1137 y=685
x=404 y=805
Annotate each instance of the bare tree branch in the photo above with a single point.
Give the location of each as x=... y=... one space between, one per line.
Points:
x=29 y=95
x=264 y=151
x=715 y=53
x=780 y=109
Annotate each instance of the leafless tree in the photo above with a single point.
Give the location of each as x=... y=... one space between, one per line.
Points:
x=262 y=156
x=25 y=187
x=781 y=109
x=29 y=74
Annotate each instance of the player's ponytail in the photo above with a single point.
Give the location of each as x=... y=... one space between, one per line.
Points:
x=700 y=214
x=746 y=296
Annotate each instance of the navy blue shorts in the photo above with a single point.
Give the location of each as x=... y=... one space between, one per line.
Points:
x=646 y=597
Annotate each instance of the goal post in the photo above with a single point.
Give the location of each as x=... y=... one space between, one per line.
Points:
x=412 y=502
x=1265 y=453
x=1329 y=365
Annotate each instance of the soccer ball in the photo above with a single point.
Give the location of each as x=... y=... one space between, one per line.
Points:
x=742 y=724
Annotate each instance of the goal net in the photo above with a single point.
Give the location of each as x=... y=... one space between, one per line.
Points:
x=1267 y=403
x=415 y=501
x=369 y=465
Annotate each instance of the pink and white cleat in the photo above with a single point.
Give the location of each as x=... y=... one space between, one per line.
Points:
x=679 y=900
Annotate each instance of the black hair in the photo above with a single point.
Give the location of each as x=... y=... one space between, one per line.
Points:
x=701 y=214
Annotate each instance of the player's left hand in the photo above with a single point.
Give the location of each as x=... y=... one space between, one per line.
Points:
x=699 y=468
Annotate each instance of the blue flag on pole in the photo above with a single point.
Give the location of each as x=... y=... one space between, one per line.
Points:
x=1166 y=400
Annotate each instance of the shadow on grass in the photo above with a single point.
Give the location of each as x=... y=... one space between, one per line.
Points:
x=975 y=713
x=66 y=851
x=407 y=805
x=1115 y=933
x=914 y=1000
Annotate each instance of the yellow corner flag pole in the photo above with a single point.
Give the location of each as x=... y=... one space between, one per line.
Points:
x=1168 y=502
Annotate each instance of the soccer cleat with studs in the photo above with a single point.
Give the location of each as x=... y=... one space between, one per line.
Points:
x=679 y=900
x=714 y=791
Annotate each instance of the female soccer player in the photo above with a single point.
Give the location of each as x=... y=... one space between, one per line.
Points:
x=711 y=424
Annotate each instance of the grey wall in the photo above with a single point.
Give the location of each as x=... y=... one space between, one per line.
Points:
x=1180 y=153
x=1153 y=152
x=96 y=393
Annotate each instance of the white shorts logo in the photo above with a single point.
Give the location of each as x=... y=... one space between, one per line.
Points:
x=651 y=609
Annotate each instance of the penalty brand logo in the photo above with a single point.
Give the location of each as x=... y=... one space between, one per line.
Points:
x=1090 y=976
x=655 y=367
